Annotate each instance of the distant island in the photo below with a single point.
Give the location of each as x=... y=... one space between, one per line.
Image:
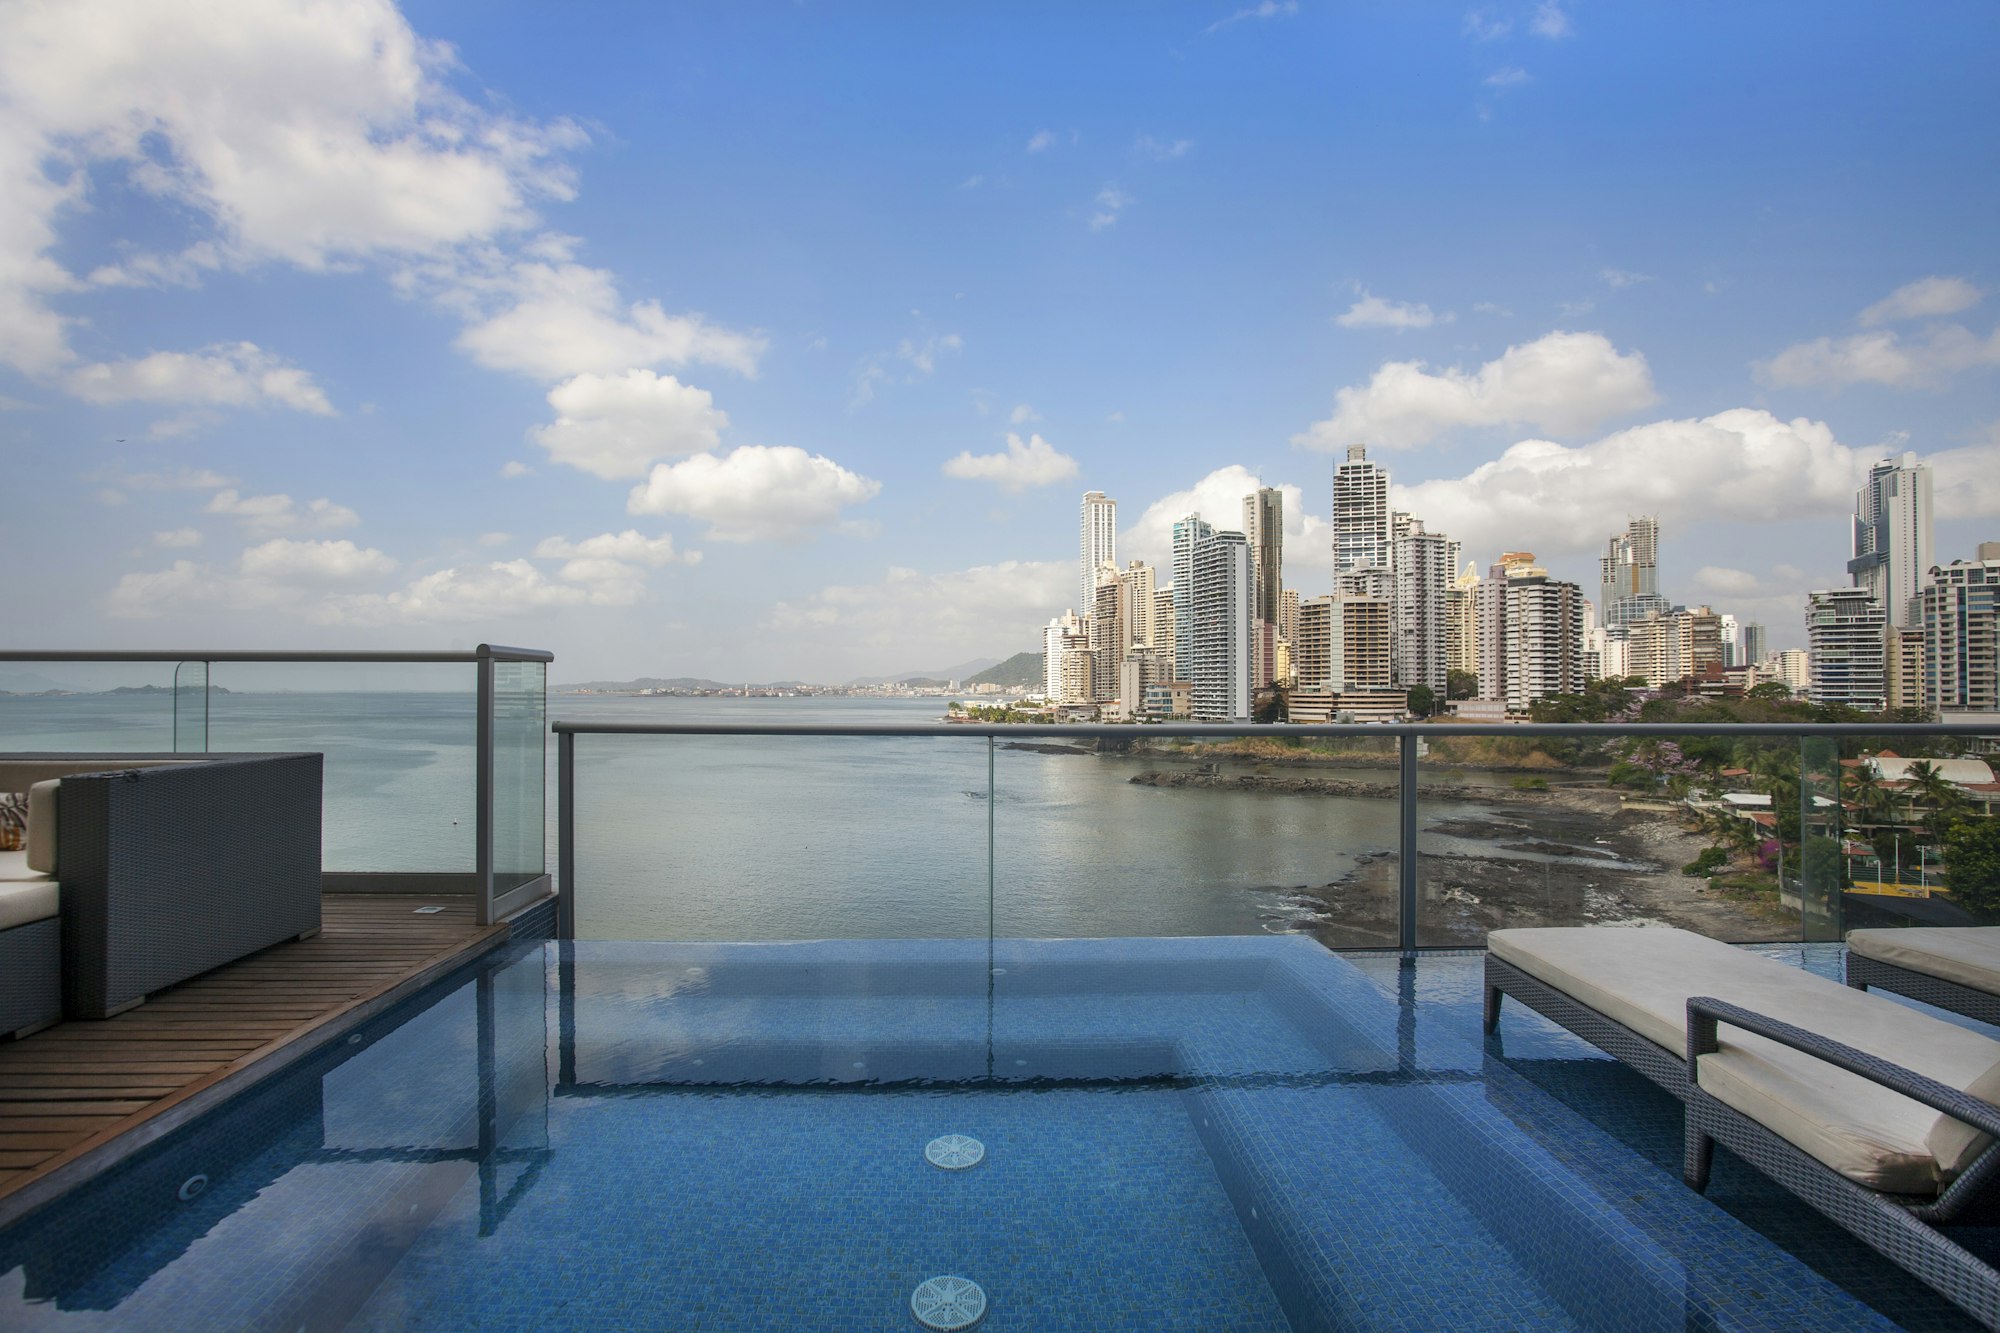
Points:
x=1022 y=671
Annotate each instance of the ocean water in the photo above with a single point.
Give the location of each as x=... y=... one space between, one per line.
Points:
x=739 y=838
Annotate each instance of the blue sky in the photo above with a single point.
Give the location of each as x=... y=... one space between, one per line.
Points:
x=691 y=339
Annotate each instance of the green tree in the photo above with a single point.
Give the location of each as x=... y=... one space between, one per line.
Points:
x=1460 y=685
x=1773 y=691
x=1972 y=864
x=1423 y=701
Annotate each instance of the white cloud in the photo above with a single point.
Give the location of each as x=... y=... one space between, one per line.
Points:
x=313 y=135
x=1507 y=76
x=281 y=560
x=630 y=546
x=1022 y=414
x=1040 y=140
x=615 y=426
x=549 y=317
x=1561 y=382
x=1742 y=465
x=1489 y=308
x=1618 y=279
x=495 y=538
x=501 y=590
x=1883 y=357
x=278 y=575
x=1162 y=150
x=1023 y=465
x=1110 y=202
x=1376 y=312
x=1965 y=483
x=1550 y=20
x=1483 y=25
x=224 y=375
x=280 y=513
x=1923 y=299
x=754 y=493
x=914 y=617
x=514 y=468
x=1264 y=9
x=177 y=537
x=920 y=355
x=972 y=182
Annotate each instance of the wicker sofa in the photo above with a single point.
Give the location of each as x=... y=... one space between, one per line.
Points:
x=150 y=869
x=1880 y=1116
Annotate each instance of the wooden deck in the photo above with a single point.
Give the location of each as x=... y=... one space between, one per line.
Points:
x=80 y=1095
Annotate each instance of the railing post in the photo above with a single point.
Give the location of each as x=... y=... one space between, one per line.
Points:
x=482 y=822
x=566 y=835
x=1406 y=844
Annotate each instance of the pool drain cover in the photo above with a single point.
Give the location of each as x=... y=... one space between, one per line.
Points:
x=948 y=1303
x=954 y=1152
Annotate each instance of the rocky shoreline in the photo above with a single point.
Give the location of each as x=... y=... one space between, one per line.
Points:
x=1292 y=784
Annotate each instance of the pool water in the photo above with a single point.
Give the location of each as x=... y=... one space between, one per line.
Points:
x=1230 y=1133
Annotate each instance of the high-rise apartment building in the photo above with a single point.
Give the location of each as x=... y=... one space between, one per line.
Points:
x=1892 y=537
x=1264 y=527
x=1732 y=642
x=1097 y=544
x=1751 y=643
x=1420 y=612
x=1903 y=667
x=1844 y=643
x=1108 y=636
x=1671 y=647
x=1135 y=604
x=1531 y=630
x=1163 y=621
x=1630 y=574
x=1461 y=624
x=1961 y=608
x=1607 y=655
x=1189 y=533
x=1062 y=637
x=1222 y=664
x=1288 y=614
x=1360 y=513
x=1343 y=645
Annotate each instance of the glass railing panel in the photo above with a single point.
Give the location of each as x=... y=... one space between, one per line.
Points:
x=400 y=746
x=88 y=707
x=1920 y=836
x=1159 y=836
x=191 y=708
x=754 y=838
x=520 y=745
x=1697 y=832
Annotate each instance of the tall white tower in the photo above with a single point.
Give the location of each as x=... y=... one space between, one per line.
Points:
x=1892 y=538
x=1097 y=544
x=1360 y=513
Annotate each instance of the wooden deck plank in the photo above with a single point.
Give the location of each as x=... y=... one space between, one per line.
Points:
x=69 y=1094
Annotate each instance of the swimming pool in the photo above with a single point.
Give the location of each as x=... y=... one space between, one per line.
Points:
x=1230 y=1133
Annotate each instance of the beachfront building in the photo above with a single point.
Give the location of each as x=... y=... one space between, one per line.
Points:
x=1222 y=629
x=1189 y=533
x=1360 y=513
x=1421 y=612
x=1531 y=631
x=1097 y=543
x=1844 y=642
x=1961 y=632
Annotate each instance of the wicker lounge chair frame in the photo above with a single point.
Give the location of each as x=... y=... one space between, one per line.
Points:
x=1903 y=1229
x=30 y=977
x=1664 y=1067
x=1863 y=972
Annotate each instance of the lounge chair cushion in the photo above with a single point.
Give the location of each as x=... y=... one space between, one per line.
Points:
x=1643 y=979
x=24 y=895
x=41 y=843
x=1969 y=955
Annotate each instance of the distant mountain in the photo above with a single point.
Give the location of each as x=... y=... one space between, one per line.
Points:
x=652 y=683
x=1021 y=671
x=27 y=682
x=940 y=676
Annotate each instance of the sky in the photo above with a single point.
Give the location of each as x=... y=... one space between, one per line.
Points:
x=765 y=342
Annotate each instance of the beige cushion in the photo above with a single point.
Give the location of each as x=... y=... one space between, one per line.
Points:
x=1969 y=955
x=1643 y=978
x=41 y=845
x=14 y=868
x=25 y=900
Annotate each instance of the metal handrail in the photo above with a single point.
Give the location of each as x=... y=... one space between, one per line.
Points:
x=1406 y=734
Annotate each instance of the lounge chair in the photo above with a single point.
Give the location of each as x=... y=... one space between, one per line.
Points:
x=1952 y=967
x=1877 y=1114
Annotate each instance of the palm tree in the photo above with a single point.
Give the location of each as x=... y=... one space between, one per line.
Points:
x=1938 y=796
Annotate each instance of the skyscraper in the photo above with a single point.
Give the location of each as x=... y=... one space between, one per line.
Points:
x=1962 y=637
x=1189 y=534
x=1892 y=537
x=1752 y=643
x=1421 y=614
x=1264 y=526
x=1531 y=633
x=1630 y=574
x=1844 y=646
x=1222 y=624
x=1063 y=639
x=1136 y=604
x=1360 y=513
x=1097 y=544
x=1163 y=621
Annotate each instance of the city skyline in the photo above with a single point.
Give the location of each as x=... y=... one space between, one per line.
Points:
x=692 y=344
